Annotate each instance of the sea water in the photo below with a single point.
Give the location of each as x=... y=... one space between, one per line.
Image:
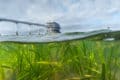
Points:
x=92 y=55
x=103 y=34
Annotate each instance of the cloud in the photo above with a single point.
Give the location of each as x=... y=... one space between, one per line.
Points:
x=66 y=12
x=70 y=11
x=13 y=9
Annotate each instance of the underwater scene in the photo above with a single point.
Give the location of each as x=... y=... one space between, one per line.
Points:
x=70 y=60
x=59 y=40
x=51 y=54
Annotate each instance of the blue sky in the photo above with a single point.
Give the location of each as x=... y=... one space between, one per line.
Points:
x=66 y=12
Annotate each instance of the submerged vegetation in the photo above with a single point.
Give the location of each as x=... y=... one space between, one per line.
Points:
x=73 y=60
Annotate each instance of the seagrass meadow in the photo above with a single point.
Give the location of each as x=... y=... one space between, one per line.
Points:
x=71 y=60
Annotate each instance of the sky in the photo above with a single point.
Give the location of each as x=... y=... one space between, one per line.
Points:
x=71 y=13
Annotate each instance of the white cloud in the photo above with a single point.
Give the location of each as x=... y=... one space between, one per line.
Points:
x=69 y=12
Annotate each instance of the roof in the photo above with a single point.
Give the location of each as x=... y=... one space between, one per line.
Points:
x=53 y=25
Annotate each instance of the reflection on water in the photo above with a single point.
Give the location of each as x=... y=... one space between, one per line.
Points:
x=104 y=34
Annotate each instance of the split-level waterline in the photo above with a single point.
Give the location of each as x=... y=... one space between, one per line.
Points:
x=52 y=33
